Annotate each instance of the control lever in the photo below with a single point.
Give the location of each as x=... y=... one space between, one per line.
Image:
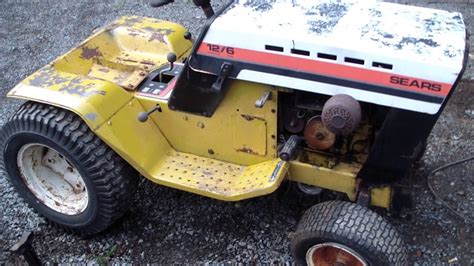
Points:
x=265 y=97
x=158 y=3
x=143 y=116
x=206 y=7
x=171 y=57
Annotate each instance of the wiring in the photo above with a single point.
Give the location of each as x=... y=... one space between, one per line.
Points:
x=435 y=194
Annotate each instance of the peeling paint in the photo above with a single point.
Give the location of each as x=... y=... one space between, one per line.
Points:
x=82 y=91
x=158 y=34
x=91 y=116
x=247 y=150
x=251 y=117
x=89 y=53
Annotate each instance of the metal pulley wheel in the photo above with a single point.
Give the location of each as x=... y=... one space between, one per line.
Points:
x=294 y=122
x=317 y=136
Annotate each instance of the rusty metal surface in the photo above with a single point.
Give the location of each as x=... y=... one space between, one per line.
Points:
x=52 y=179
x=317 y=136
x=333 y=254
x=218 y=179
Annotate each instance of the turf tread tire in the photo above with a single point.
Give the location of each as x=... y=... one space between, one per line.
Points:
x=113 y=180
x=351 y=225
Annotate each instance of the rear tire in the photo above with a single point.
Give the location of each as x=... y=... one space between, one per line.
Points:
x=44 y=150
x=348 y=227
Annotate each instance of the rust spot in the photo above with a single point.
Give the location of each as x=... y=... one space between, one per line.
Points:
x=158 y=34
x=135 y=32
x=251 y=117
x=207 y=173
x=46 y=77
x=89 y=53
x=81 y=91
x=147 y=63
x=129 y=60
x=247 y=150
x=130 y=21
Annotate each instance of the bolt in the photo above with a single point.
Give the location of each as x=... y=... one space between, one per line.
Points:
x=319 y=136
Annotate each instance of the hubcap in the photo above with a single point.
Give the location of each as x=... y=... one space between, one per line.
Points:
x=333 y=254
x=53 y=180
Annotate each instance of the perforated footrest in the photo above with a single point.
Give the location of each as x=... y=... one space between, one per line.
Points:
x=221 y=180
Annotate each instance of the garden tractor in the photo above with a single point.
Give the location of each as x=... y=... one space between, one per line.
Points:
x=330 y=95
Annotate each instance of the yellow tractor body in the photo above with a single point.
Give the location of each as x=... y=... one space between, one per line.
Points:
x=229 y=156
x=257 y=99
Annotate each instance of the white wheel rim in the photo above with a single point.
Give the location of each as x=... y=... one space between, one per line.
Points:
x=53 y=180
x=333 y=254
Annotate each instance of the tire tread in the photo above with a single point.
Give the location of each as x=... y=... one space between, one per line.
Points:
x=115 y=181
x=352 y=225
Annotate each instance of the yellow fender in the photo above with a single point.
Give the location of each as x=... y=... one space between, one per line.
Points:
x=93 y=79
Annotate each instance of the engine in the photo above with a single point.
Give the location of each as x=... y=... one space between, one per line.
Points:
x=339 y=126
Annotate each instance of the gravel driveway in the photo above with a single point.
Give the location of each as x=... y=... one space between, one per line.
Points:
x=167 y=225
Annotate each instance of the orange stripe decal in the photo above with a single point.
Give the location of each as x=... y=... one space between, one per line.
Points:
x=391 y=80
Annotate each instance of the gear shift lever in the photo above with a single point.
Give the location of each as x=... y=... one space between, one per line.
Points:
x=171 y=57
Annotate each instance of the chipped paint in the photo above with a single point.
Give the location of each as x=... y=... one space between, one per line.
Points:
x=219 y=179
x=158 y=34
x=246 y=150
x=251 y=117
x=89 y=53
x=384 y=28
x=82 y=91
x=91 y=116
x=369 y=42
x=48 y=77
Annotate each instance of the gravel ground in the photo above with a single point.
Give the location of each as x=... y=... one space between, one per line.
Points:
x=166 y=225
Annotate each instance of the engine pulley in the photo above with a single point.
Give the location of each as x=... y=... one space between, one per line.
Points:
x=341 y=114
x=317 y=136
x=294 y=122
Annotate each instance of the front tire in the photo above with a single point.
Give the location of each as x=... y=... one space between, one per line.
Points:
x=343 y=233
x=63 y=170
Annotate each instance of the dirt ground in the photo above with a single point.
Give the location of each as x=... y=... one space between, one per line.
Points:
x=166 y=225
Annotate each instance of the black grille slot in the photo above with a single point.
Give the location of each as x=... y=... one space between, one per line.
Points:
x=327 y=56
x=382 y=65
x=354 y=60
x=300 y=52
x=273 y=48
